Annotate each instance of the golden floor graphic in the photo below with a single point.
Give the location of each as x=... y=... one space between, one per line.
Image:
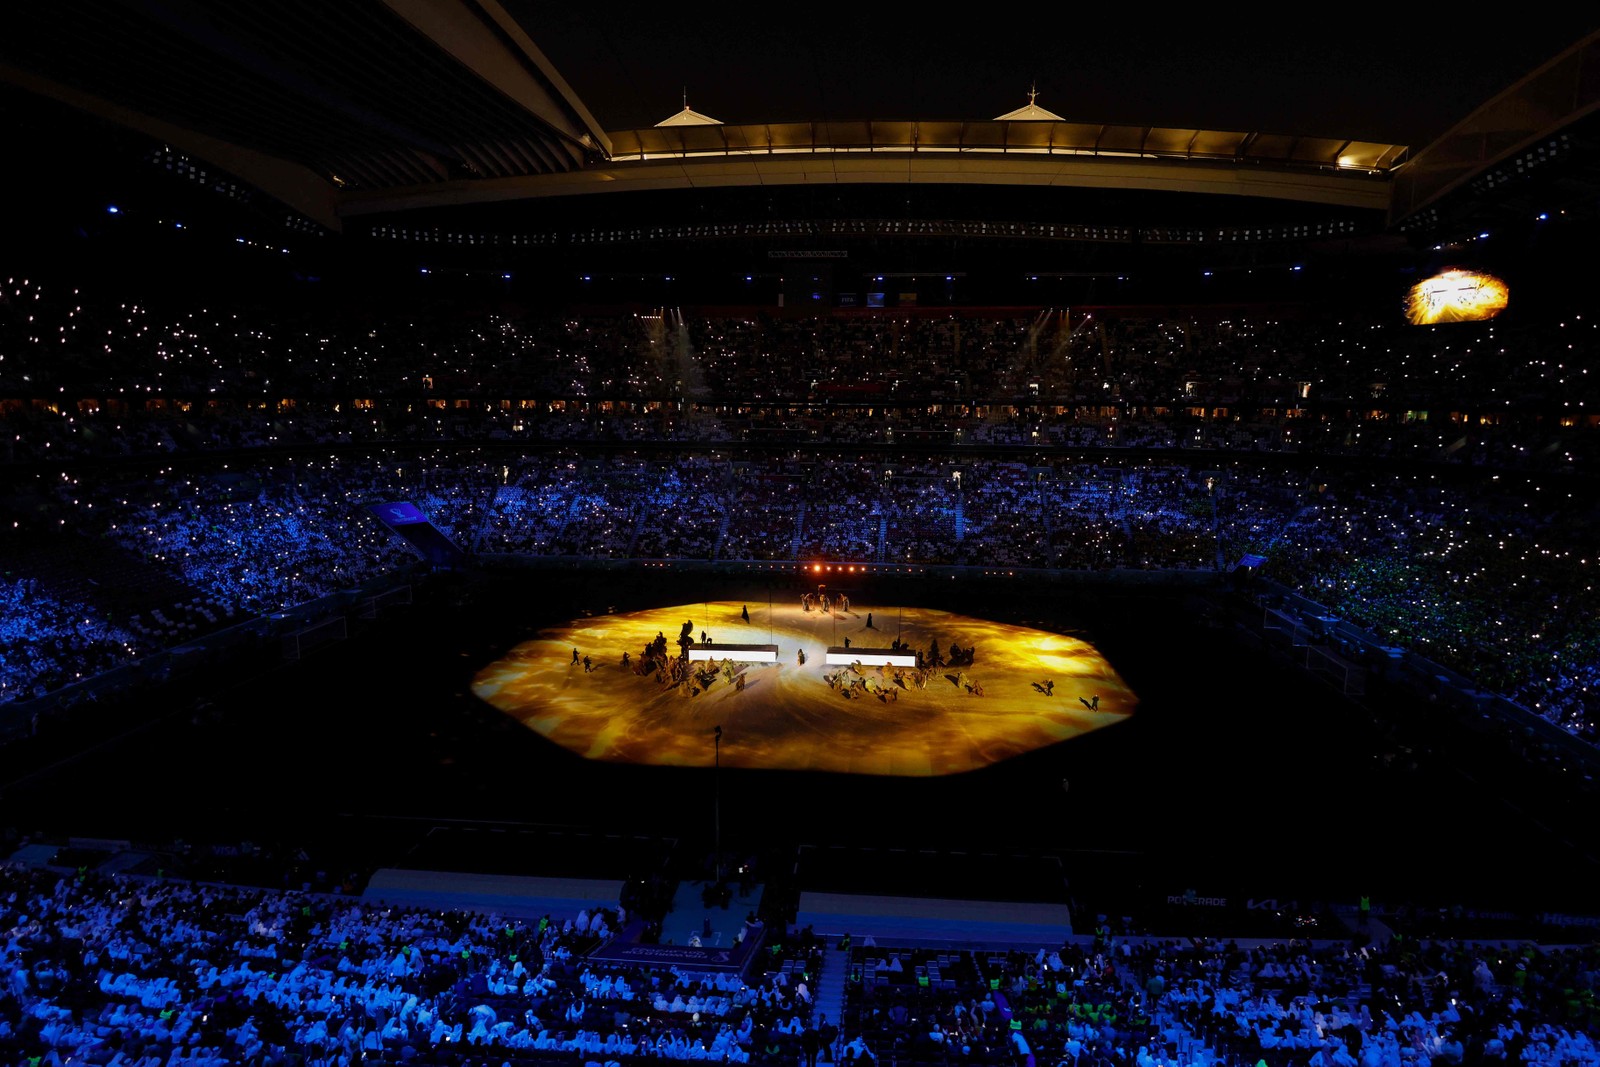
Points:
x=1024 y=689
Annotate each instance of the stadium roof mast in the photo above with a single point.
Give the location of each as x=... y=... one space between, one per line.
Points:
x=689 y=117
x=1032 y=113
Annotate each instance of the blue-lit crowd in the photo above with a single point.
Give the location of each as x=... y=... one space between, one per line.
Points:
x=229 y=458
x=125 y=971
x=1363 y=1002
x=122 y=972
x=1425 y=563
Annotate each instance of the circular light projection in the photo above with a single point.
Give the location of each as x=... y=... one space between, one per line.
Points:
x=1018 y=690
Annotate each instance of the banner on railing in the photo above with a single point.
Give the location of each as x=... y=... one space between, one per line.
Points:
x=407 y=520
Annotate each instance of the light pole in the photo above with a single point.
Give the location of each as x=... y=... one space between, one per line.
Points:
x=716 y=798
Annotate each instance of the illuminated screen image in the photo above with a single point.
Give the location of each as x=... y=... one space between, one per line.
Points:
x=1456 y=296
x=1017 y=690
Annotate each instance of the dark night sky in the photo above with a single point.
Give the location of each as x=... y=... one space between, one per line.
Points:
x=1401 y=74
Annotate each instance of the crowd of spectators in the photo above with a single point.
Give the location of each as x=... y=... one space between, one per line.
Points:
x=90 y=377
x=102 y=346
x=42 y=430
x=46 y=643
x=1498 y=586
x=1364 y=1002
x=127 y=971
x=1426 y=563
x=726 y=414
x=272 y=536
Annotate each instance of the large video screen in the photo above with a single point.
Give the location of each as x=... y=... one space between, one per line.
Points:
x=1456 y=295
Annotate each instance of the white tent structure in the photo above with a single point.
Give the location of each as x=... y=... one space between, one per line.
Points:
x=1032 y=113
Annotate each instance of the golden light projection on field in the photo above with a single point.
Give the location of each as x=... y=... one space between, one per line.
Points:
x=1456 y=295
x=1022 y=690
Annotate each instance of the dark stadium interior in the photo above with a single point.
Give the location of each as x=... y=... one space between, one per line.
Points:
x=1219 y=763
x=353 y=353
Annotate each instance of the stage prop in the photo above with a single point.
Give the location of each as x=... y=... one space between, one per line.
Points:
x=841 y=655
x=737 y=653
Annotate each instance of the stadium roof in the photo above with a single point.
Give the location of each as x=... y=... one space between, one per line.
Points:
x=1403 y=81
x=1510 y=137
x=1027 y=152
x=355 y=109
x=305 y=98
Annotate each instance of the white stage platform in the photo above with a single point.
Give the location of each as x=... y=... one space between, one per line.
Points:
x=842 y=656
x=737 y=653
